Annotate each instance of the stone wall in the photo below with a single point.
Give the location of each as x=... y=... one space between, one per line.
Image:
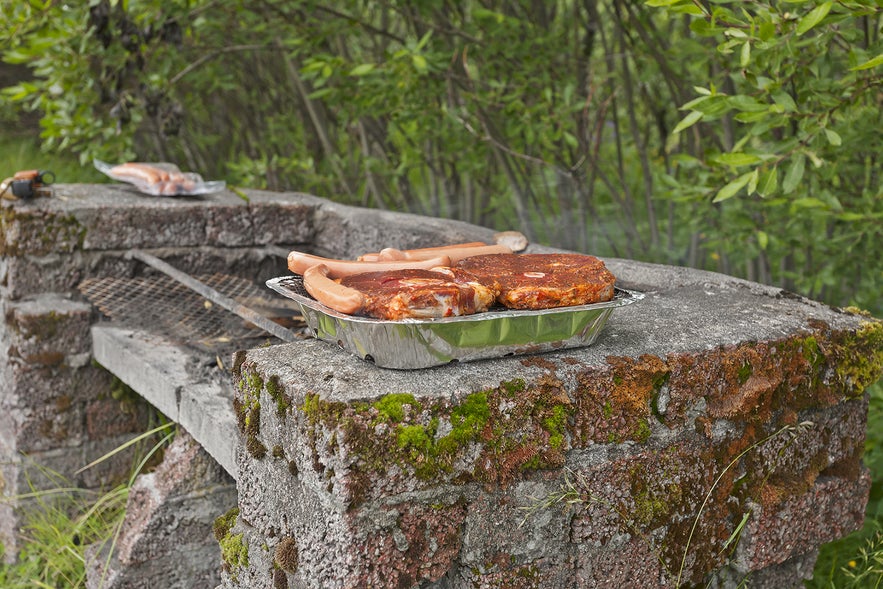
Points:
x=713 y=405
x=58 y=411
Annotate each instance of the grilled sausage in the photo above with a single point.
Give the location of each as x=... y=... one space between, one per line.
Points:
x=330 y=293
x=454 y=252
x=299 y=262
x=438 y=250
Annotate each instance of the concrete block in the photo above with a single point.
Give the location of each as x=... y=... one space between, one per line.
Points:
x=347 y=231
x=171 y=381
x=734 y=402
x=207 y=411
x=152 y=370
x=775 y=533
x=48 y=330
x=167 y=533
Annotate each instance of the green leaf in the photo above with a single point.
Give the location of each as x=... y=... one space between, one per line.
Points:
x=813 y=17
x=810 y=203
x=871 y=63
x=745 y=54
x=733 y=188
x=752 y=181
x=419 y=62
x=769 y=182
x=737 y=159
x=688 y=121
x=363 y=69
x=794 y=174
x=763 y=239
x=785 y=100
x=746 y=103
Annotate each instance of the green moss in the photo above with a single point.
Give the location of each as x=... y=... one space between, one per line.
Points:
x=234 y=552
x=513 y=386
x=278 y=452
x=642 y=432
x=607 y=410
x=238 y=360
x=391 y=407
x=255 y=447
x=470 y=417
x=277 y=393
x=247 y=408
x=414 y=437
x=556 y=425
x=528 y=572
x=862 y=357
x=224 y=523
x=745 y=372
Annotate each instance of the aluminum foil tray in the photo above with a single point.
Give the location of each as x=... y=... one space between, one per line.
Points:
x=422 y=343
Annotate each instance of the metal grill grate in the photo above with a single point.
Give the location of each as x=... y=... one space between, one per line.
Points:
x=161 y=304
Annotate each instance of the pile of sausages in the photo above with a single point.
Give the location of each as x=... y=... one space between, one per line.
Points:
x=153 y=179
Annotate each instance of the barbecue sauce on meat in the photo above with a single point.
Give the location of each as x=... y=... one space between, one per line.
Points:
x=542 y=281
x=420 y=294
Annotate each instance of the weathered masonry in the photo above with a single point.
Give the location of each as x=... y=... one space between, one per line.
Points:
x=712 y=406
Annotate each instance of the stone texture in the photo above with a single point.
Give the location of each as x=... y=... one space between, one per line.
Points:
x=167 y=539
x=83 y=217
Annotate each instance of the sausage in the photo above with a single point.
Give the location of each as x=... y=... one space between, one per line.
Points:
x=332 y=294
x=375 y=256
x=299 y=262
x=454 y=252
x=139 y=173
x=514 y=240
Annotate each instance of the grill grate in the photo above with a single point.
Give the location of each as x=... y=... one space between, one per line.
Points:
x=161 y=304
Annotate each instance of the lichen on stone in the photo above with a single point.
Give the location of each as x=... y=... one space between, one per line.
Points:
x=286 y=555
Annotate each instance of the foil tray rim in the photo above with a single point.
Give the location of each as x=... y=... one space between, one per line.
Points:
x=621 y=298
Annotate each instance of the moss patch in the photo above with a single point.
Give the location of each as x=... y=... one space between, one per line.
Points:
x=247 y=408
x=490 y=435
x=614 y=403
x=36 y=232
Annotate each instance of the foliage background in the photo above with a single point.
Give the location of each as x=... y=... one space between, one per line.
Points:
x=737 y=136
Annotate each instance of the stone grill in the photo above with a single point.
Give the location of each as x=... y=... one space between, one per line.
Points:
x=345 y=474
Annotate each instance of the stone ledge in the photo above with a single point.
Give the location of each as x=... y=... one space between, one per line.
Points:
x=165 y=375
x=112 y=216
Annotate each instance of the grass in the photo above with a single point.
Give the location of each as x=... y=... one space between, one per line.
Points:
x=61 y=522
x=21 y=151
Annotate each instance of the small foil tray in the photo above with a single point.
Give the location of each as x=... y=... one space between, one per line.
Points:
x=421 y=343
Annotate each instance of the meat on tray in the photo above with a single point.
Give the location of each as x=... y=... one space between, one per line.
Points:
x=452 y=280
x=542 y=281
x=420 y=294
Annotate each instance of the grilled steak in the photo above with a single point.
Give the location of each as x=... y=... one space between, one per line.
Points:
x=542 y=281
x=421 y=294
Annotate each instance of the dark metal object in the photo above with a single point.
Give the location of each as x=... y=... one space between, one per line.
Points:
x=214 y=296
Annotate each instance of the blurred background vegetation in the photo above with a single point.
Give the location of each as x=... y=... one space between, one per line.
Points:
x=741 y=137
